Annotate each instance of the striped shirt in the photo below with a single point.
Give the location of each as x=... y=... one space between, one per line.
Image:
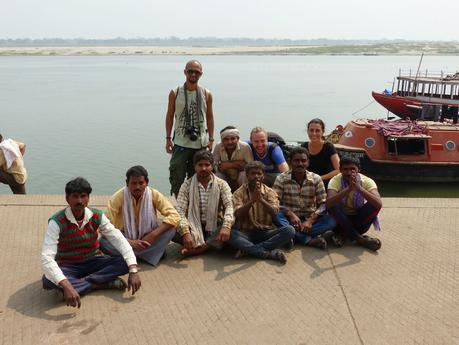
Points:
x=304 y=200
x=204 y=200
x=225 y=205
x=258 y=218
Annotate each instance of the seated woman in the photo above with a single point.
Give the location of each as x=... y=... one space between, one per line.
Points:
x=323 y=158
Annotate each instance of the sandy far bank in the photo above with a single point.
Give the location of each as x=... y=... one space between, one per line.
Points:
x=144 y=50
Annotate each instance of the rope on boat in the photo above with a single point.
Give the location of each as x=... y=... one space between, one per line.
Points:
x=355 y=112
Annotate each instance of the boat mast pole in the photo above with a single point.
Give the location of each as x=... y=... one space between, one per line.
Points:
x=419 y=66
x=415 y=86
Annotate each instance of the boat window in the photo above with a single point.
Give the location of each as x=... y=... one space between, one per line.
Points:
x=406 y=146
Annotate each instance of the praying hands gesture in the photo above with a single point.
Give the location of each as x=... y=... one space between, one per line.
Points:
x=256 y=193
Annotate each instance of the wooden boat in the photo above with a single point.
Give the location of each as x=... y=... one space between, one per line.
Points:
x=422 y=96
x=402 y=150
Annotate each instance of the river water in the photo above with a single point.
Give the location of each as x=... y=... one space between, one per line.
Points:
x=97 y=116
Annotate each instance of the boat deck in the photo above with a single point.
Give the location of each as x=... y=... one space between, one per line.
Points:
x=408 y=293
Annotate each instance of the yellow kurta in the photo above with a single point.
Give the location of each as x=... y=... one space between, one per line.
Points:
x=161 y=203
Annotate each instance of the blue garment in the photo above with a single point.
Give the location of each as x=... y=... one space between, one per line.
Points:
x=96 y=270
x=272 y=159
x=354 y=225
x=259 y=243
x=322 y=224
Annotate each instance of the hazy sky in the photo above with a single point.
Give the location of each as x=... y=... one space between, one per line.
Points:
x=295 y=19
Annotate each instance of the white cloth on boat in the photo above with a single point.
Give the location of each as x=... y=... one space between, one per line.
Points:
x=147 y=215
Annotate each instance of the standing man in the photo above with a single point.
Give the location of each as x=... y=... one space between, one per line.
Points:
x=270 y=154
x=206 y=208
x=255 y=207
x=190 y=107
x=12 y=169
x=302 y=197
x=231 y=156
x=354 y=202
x=133 y=209
x=71 y=259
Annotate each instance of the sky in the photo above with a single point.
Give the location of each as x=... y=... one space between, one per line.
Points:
x=293 y=19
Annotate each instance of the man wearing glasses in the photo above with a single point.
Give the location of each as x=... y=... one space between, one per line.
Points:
x=190 y=107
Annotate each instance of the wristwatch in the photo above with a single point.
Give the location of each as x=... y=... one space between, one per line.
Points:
x=133 y=269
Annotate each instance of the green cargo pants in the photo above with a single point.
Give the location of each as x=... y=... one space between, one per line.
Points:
x=180 y=166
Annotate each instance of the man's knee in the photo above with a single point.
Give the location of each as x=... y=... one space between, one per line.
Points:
x=288 y=231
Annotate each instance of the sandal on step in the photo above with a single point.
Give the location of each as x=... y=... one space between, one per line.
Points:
x=371 y=243
x=337 y=240
x=117 y=284
x=318 y=242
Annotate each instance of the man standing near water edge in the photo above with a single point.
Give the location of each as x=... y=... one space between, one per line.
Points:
x=12 y=170
x=190 y=106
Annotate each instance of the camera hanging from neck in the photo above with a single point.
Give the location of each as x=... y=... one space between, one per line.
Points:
x=189 y=119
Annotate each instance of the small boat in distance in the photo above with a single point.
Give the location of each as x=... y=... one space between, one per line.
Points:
x=402 y=150
x=423 y=95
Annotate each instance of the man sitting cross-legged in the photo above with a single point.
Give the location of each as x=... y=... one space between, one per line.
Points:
x=354 y=202
x=133 y=209
x=302 y=197
x=71 y=259
x=206 y=209
x=255 y=207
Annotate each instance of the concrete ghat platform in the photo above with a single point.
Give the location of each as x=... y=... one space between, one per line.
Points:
x=408 y=293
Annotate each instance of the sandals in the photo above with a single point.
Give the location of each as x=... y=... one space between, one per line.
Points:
x=117 y=284
x=334 y=238
x=318 y=242
x=337 y=240
x=277 y=255
x=371 y=243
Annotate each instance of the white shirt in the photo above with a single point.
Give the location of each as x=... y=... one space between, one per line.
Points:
x=49 y=250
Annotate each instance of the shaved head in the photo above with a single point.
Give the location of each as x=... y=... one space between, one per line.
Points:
x=193 y=64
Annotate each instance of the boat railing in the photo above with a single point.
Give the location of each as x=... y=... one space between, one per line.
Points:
x=428 y=84
x=411 y=73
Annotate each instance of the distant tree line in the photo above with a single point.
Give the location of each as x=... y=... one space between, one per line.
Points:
x=191 y=41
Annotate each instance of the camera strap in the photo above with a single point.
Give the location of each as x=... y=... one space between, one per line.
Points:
x=189 y=120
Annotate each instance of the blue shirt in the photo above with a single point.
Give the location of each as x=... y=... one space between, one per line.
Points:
x=273 y=158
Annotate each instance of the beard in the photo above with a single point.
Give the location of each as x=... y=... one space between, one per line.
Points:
x=204 y=174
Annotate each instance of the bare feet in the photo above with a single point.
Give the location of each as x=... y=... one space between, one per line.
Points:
x=194 y=251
